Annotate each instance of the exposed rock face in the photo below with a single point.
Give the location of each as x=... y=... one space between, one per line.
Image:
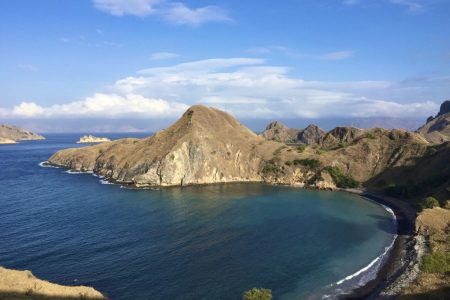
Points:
x=340 y=136
x=92 y=139
x=310 y=135
x=17 y=134
x=205 y=146
x=277 y=131
x=7 y=141
x=437 y=129
x=23 y=285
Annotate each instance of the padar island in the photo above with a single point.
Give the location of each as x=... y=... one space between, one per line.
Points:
x=408 y=171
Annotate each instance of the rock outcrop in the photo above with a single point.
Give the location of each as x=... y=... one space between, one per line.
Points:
x=17 y=134
x=437 y=129
x=18 y=285
x=279 y=132
x=86 y=139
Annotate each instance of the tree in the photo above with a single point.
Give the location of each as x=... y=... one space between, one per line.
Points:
x=258 y=294
x=429 y=202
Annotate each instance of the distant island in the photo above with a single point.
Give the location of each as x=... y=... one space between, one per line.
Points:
x=207 y=145
x=10 y=135
x=86 y=139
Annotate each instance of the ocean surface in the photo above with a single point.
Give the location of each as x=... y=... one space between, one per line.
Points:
x=199 y=242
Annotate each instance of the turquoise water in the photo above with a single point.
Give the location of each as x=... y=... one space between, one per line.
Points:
x=202 y=242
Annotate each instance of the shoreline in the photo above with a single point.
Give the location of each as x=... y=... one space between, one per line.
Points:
x=402 y=257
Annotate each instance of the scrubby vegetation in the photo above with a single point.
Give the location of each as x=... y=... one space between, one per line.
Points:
x=340 y=179
x=301 y=148
x=429 y=202
x=438 y=262
x=307 y=162
x=271 y=167
x=257 y=294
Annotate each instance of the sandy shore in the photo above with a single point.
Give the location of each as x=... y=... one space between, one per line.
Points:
x=401 y=267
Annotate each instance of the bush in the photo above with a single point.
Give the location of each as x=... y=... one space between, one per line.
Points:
x=257 y=294
x=438 y=262
x=307 y=162
x=370 y=136
x=429 y=202
x=301 y=148
x=340 y=179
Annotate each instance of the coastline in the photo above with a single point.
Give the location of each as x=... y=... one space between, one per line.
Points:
x=401 y=265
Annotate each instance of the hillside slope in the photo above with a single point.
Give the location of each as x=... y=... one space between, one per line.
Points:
x=17 y=134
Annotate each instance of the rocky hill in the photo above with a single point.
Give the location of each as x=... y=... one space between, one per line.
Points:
x=437 y=129
x=205 y=145
x=17 y=134
x=279 y=132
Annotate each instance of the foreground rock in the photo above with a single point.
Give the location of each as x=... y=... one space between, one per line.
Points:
x=18 y=285
x=92 y=139
x=17 y=134
x=433 y=282
x=7 y=141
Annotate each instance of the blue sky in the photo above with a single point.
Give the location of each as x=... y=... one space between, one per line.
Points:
x=115 y=61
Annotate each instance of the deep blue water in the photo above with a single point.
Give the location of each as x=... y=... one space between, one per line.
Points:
x=204 y=242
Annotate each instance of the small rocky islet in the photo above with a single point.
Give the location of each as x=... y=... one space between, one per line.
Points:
x=11 y=135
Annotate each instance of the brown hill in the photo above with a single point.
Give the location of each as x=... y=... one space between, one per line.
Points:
x=17 y=134
x=205 y=145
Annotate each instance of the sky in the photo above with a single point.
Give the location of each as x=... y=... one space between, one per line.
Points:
x=137 y=65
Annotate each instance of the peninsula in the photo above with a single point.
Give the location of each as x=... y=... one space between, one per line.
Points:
x=10 y=135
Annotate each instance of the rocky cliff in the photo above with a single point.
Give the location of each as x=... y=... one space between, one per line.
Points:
x=17 y=134
x=437 y=129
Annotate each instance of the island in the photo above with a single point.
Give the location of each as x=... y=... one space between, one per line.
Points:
x=11 y=134
x=18 y=285
x=87 y=139
x=408 y=171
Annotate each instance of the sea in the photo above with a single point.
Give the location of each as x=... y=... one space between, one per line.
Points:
x=194 y=242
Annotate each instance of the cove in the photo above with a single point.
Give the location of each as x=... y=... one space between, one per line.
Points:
x=197 y=242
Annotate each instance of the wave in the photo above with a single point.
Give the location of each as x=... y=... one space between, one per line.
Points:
x=104 y=181
x=45 y=164
x=78 y=172
x=369 y=266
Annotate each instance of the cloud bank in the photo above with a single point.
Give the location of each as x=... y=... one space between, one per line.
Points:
x=246 y=87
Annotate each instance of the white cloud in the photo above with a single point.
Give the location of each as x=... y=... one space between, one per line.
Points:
x=173 y=12
x=337 y=55
x=123 y=7
x=163 y=55
x=100 y=106
x=246 y=87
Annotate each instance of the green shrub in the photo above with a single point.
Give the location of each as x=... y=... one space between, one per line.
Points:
x=340 y=179
x=370 y=136
x=257 y=294
x=307 y=162
x=429 y=202
x=301 y=148
x=438 y=262
x=288 y=163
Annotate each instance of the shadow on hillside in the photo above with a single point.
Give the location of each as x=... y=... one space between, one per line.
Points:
x=5 y=295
